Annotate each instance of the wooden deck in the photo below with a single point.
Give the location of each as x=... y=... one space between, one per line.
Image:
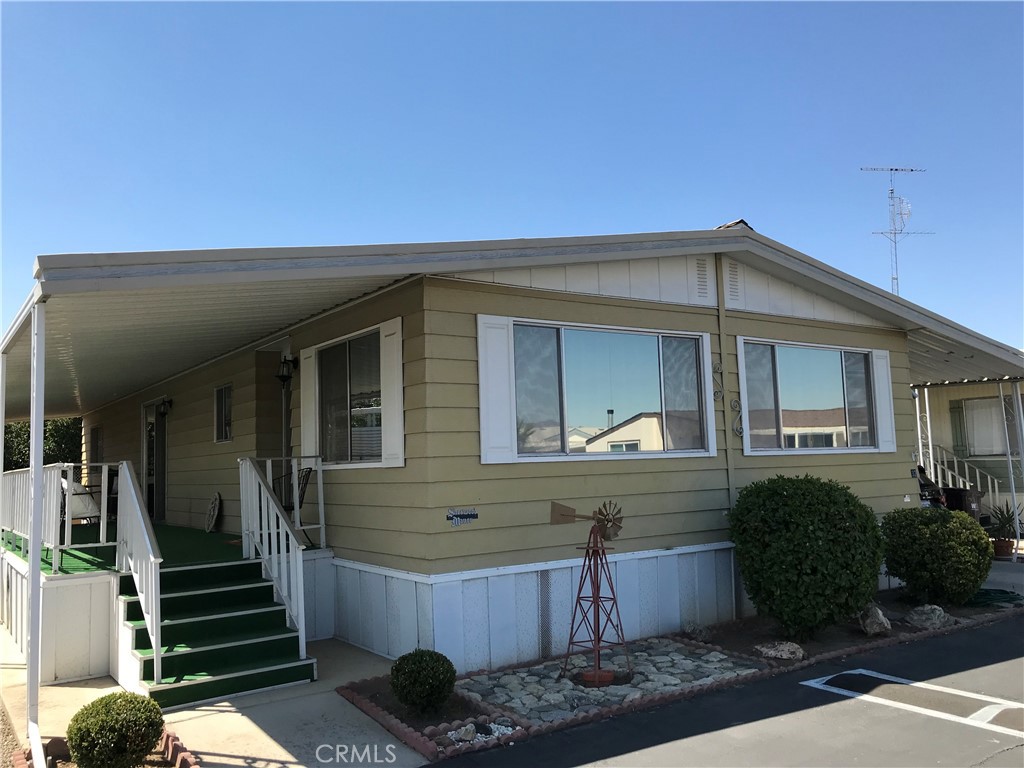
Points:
x=178 y=546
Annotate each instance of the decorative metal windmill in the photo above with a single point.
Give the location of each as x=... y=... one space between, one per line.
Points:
x=596 y=624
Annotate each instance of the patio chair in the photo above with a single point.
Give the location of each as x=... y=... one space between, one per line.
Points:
x=282 y=485
x=283 y=488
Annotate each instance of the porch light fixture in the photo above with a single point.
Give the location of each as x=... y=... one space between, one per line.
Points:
x=286 y=370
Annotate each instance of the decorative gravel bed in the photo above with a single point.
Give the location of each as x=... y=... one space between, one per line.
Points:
x=660 y=665
x=522 y=702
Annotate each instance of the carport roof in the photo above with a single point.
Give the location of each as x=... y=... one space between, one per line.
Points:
x=117 y=323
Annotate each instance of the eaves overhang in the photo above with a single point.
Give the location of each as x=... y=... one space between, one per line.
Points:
x=118 y=322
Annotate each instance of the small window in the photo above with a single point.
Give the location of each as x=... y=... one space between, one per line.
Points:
x=990 y=423
x=222 y=413
x=350 y=400
x=629 y=447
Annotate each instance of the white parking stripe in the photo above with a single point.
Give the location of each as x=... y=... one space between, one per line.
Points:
x=995 y=705
x=985 y=714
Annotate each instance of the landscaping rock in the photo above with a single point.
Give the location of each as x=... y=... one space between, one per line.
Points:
x=504 y=722
x=444 y=741
x=873 y=621
x=466 y=732
x=929 y=617
x=781 y=649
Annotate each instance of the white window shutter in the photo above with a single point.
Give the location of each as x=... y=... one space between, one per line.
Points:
x=392 y=394
x=885 y=422
x=308 y=405
x=496 y=365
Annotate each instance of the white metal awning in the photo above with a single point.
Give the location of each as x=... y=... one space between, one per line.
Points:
x=117 y=323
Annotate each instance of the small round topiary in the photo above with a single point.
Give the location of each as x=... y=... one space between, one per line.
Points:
x=423 y=680
x=808 y=549
x=941 y=555
x=115 y=731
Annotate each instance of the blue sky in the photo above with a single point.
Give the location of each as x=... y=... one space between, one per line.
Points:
x=171 y=125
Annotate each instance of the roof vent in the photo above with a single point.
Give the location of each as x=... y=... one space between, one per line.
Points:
x=735 y=225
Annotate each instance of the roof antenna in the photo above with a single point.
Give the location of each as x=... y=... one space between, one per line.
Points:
x=899 y=212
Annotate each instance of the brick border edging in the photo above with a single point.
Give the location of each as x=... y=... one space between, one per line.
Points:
x=772 y=667
x=423 y=742
x=169 y=746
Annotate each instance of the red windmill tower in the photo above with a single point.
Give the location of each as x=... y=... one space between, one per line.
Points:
x=596 y=624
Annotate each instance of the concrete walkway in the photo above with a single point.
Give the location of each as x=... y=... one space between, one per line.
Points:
x=280 y=728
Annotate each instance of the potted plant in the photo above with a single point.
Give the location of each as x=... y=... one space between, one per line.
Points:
x=1003 y=528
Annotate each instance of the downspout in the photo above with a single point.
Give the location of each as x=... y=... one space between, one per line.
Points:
x=35 y=612
x=739 y=596
x=730 y=469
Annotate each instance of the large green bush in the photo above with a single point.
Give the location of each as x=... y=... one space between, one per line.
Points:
x=943 y=556
x=808 y=549
x=423 y=680
x=115 y=731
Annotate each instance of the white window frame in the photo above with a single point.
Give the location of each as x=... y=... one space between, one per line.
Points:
x=496 y=366
x=881 y=393
x=392 y=406
x=218 y=414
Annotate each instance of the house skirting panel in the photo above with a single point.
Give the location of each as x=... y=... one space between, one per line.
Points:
x=76 y=615
x=490 y=618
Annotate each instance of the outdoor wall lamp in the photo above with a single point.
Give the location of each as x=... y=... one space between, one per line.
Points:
x=286 y=370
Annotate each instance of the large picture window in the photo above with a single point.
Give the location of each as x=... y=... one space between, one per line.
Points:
x=352 y=404
x=581 y=392
x=810 y=398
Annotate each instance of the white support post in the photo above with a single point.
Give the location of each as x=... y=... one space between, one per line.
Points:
x=928 y=422
x=35 y=594
x=1017 y=408
x=1009 y=461
x=917 y=414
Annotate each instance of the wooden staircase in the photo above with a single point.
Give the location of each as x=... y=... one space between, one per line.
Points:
x=221 y=630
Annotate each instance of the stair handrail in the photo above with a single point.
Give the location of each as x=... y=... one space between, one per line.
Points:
x=269 y=535
x=138 y=553
x=947 y=477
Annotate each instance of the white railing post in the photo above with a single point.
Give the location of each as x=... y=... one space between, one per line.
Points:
x=4 y=509
x=319 y=468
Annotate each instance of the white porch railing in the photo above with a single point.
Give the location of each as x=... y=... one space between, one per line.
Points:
x=950 y=471
x=285 y=476
x=15 y=510
x=139 y=554
x=269 y=535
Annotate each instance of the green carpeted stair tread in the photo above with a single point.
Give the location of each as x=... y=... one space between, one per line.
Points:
x=239 y=667
x=207 y=613
x=211 y=641
x=219 y=688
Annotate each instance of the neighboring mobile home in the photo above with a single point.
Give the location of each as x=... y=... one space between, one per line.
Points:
x=443 y=395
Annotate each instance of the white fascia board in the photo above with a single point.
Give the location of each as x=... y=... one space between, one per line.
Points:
x=62 y=274
x=22 y=320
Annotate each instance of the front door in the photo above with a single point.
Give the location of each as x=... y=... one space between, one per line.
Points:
x=154 y=458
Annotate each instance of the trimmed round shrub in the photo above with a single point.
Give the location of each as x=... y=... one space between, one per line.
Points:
x=116 y=731
x=941 y=555
x=808 y=549
x=423 y=680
